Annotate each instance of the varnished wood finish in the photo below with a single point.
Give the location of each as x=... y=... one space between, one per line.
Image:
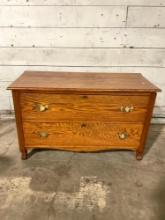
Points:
x=83 y=107
x=84 y=133
x=17 y=108
x=67 y=81
x=83 y=111
x=140 y=150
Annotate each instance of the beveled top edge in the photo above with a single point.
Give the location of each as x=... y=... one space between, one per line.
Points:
x=82 y=81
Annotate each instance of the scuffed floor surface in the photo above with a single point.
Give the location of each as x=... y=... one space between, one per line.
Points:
x=58 y=185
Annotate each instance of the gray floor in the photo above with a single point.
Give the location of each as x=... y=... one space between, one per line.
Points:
x=82 y=186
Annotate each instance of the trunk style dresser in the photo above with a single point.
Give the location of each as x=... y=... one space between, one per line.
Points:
x=82 y=111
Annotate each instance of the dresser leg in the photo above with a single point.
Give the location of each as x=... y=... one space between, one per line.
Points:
x=24 y=155
x=139 y=155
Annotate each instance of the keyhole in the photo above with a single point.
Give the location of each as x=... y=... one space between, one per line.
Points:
x=84 y=97
x=83 y=125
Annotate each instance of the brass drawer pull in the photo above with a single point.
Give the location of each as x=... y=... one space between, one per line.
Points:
x=41 y=107
x=42 y=134
x=126 y=108
x=123 y=135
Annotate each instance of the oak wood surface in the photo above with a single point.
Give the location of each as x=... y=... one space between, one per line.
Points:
x=82 y=134
x=70 y=81
x=17 y=108
x=83 y=107
x=83 y=112
x=140 y=150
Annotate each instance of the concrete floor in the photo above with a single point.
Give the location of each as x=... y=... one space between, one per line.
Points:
x=57 y=185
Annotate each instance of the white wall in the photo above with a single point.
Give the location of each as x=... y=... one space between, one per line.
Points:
x=82 y=35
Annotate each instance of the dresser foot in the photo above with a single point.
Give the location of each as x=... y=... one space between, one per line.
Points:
x=139 y=155
x=24 y=155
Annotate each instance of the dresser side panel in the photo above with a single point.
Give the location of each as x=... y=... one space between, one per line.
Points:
x=147 y=123
x=18 y=116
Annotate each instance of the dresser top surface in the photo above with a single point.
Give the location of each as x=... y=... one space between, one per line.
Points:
x=78 y=81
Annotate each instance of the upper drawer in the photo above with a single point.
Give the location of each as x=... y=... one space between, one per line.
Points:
x=52 y=107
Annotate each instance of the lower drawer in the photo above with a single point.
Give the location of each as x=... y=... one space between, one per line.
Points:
x=83 y=136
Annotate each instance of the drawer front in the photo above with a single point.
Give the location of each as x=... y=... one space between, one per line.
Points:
x=82 y=134
x=54 y=107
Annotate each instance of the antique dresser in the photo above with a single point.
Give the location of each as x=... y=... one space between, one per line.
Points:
x=83 y=111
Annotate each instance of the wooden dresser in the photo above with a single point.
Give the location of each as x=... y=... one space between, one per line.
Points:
x=83 y=111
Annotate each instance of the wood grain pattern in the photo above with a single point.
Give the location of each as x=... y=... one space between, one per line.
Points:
x=19 y=123
x=155 y=76
x=125 y=59
x=70 y=81
x=81 y=134
x=140 y=150
x=69 y=114
x=83 y=107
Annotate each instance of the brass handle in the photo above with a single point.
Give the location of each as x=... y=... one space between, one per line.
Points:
x=123 y=135
x=40 y=107
x=126 y=108
x=43 y=134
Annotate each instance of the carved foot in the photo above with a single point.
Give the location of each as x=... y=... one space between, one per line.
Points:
x=139 y=155
x=24 y=155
